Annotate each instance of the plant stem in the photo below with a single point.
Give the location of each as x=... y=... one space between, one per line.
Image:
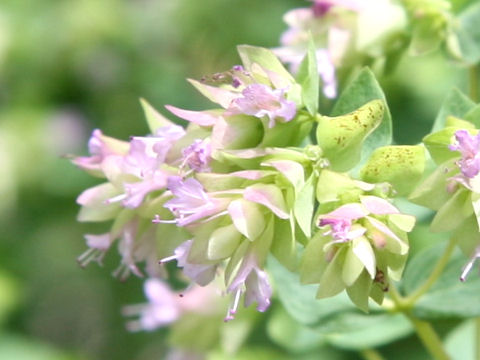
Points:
x=429 y=338
x=473 y=80
x=477 y=338
x=437 y=271
x=371 y=354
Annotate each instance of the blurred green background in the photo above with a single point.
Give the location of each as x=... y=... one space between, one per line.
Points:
x=69 y=66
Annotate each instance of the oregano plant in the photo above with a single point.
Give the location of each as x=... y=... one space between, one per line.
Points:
x=288 y=196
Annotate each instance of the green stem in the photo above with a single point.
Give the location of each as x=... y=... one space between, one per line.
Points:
x=473 y=79
x=437 y=271
x=477 y=338
x=371 y=354
x=429 y=338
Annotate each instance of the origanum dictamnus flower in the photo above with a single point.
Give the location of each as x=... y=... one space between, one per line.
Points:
x=345 y=33
x=236 y=219
x=453 y=189
x=135 y=171
x=259 y=100
x=361 y=242
x=166 y=306
x=469 y=146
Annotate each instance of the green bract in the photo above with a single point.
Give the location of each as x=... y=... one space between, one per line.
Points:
x=341 y=137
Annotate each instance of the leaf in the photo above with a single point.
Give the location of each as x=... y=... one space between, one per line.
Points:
x=437 y=144
x=460 y=342
x=247 y=218
x=468 y=33
x=448 y=297
x=308 y=78
x=268 y=195
x=155 y=120
x=304 y=205
x=361 y=90
x=284 y=244
x=215 y=94
x=299 y=300
x=223 y=242
x=453 y=212
x=265 y=58
x=455 y=104
x=290 y=334
x=401 y=166
x=356 y=331
x=342 y=137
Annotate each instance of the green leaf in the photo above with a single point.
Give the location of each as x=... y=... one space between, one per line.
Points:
x=331 y=282
x=401 y=166
x=290 y=334
x=455 y=104
x=284 y=244
x=265 y=58
x=9 y=294
x=304 y=205
x=195 y=332
x=356 y=331
x=361 y=90
x=331 y=185
x=155 y=120
x=460 y=342
x=432 y=192
x=352 y=268
x=247 y=218
x=223 y=242
x=437 y=144
x=448 y=297
x=473 y=116
x=453 y=212
x=360 y=291
x=215 y=94
x=468 y=33
x=342 y=137
x=308 y=78
x=20 y=348
x=299 y=300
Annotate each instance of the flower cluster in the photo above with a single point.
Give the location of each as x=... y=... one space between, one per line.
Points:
x=344 y=32
x=240 y=183
x=453 y=189
x=361 y=244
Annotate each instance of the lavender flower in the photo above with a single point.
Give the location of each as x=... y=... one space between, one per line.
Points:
x=202 y=274
x=100 y=147
x=198 y=155
x=166 y=306
x=322 y=7
x=252 y=281
x=191 y=202
x=260 y=100
x=469 y=147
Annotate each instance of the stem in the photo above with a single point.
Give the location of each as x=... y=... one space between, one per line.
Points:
x=437 y=271
x=477 y=338
x=474 y=74
x=371 y=354
x=429 y=338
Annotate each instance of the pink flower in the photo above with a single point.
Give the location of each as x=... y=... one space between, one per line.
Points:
x=469 y=147
x=344 y=225
x=322 y=7
x=191 y=202
x=252 y=281
x=166 y=306
x=100 y=147
x=198 y=155
x=202 y=274
x=260 y=100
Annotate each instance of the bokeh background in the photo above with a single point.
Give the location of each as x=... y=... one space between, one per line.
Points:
x=69 y=66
